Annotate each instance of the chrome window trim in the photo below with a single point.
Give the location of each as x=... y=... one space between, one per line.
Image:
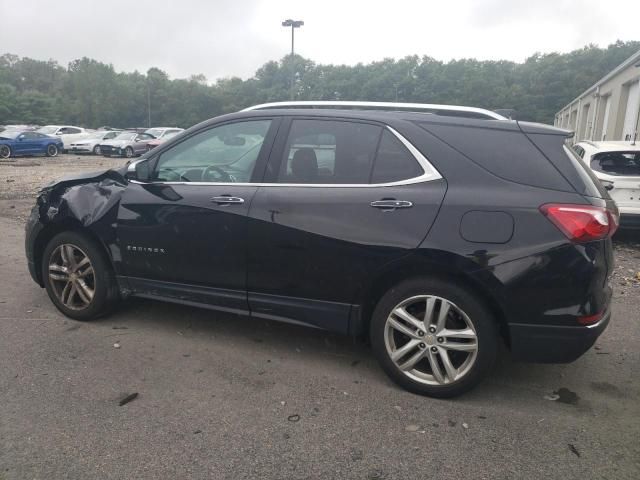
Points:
x=414 y=107
x=430 y=174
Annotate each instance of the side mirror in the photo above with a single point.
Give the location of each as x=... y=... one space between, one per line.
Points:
x=139 y=171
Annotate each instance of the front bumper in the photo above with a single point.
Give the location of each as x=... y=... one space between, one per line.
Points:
x=32 y=230
x=80 y=148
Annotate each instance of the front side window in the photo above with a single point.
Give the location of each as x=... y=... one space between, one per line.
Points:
x=225 y=154
x=329 y=152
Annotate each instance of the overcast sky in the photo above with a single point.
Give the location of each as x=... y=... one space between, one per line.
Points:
x=221 y=38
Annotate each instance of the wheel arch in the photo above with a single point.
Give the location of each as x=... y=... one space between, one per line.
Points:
x=52 y=229
x=410 y=268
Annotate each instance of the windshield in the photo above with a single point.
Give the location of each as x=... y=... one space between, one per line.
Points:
x=48 y=130
x=126 y=136
x=617 y=163
x=156 y=132
x=10 y=134
x=170 y=134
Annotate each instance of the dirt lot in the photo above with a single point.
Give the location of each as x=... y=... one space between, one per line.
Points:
x=226 y=397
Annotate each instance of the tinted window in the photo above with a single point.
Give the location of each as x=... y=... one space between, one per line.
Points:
x=617 y=163
x=328 y=151
x=227 y=153
x=394 y=162
x=579 y=150
x=69 y=130
x=29 y=135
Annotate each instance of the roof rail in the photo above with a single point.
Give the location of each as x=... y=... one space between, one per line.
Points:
x=453 y=110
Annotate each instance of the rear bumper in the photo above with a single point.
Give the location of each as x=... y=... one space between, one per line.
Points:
x=552 y=343
x=630 y=220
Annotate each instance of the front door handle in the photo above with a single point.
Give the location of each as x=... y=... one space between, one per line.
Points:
x=391 y=204
x=227 y=200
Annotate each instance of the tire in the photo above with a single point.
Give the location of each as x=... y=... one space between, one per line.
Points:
x=5 y=151
x=467 y=337
x=128 y=152
x=52 y=150
x=81 y=295
x=96 y=150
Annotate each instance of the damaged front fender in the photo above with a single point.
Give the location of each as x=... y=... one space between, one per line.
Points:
x=88 y=202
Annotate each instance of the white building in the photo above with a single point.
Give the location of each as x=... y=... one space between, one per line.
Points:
x=610 y=109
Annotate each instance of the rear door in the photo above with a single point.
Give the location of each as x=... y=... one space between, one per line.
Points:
x=341 y=199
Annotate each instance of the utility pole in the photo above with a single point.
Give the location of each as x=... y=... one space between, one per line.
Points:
x=149 y=101
x=293 y=24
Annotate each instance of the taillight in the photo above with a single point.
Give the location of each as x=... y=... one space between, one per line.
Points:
x=582 y=223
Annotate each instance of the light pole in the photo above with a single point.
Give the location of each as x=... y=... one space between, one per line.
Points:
x=293 y=24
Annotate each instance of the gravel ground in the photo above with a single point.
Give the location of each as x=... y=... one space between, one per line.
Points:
x=226 y=397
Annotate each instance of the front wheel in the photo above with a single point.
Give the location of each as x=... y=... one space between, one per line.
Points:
x=5 y=151
x=128 y=152
x=52 y=150
x=433 y=337
x=77 y=275
x=96 y=150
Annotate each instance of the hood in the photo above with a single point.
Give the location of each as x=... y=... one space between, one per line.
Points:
x=116 y=143
x=87 y=177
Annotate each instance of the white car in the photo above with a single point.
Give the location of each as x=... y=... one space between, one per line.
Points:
x=67 y=133
x=159 y=132
x=91 y=144
x=617 y=166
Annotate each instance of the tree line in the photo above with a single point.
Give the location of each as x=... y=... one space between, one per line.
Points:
x=90 y=93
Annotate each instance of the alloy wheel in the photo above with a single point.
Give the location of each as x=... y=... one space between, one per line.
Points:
x=96 y=150
x=128 y=152
x=72 y=276
x=431 y=340
x=5 y=151
x=52 y=150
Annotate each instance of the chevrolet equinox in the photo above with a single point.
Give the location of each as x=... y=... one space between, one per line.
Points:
x=438 y=232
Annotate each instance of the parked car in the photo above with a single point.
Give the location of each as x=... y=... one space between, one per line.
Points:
x=158 y=141
x=126 y=144
x=67 y=133
x=617 y=166
x=436 y=236
x=14 y=143
x=91 y=144
x=160 y=132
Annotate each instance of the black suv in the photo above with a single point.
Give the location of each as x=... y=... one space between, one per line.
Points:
x=436 y=235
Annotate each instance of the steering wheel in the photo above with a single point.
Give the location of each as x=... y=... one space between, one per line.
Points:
x=219 y=176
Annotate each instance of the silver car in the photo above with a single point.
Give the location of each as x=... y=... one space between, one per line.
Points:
x=126 y=144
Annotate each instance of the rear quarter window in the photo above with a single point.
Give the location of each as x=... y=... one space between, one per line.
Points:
x=507 y=154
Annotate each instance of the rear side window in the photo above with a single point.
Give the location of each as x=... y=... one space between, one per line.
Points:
x=329 y=152
x=617 y=163
x=394 y=162
x=506 y=152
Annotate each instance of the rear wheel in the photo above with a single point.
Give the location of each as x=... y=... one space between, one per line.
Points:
x=433 y=337
x=52 y=150
x=5 y=151
x=78 y=277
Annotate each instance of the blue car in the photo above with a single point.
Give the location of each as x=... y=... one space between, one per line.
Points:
x=16 y=142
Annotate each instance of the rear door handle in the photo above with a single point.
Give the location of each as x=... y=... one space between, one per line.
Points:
x=391 y=204
x=227 y=200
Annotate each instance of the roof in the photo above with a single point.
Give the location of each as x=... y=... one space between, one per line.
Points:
x=611 y=146
x=385 y=106
x=628 y=62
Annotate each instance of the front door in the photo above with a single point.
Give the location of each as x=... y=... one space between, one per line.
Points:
x=346 y=199
x=183 y=234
